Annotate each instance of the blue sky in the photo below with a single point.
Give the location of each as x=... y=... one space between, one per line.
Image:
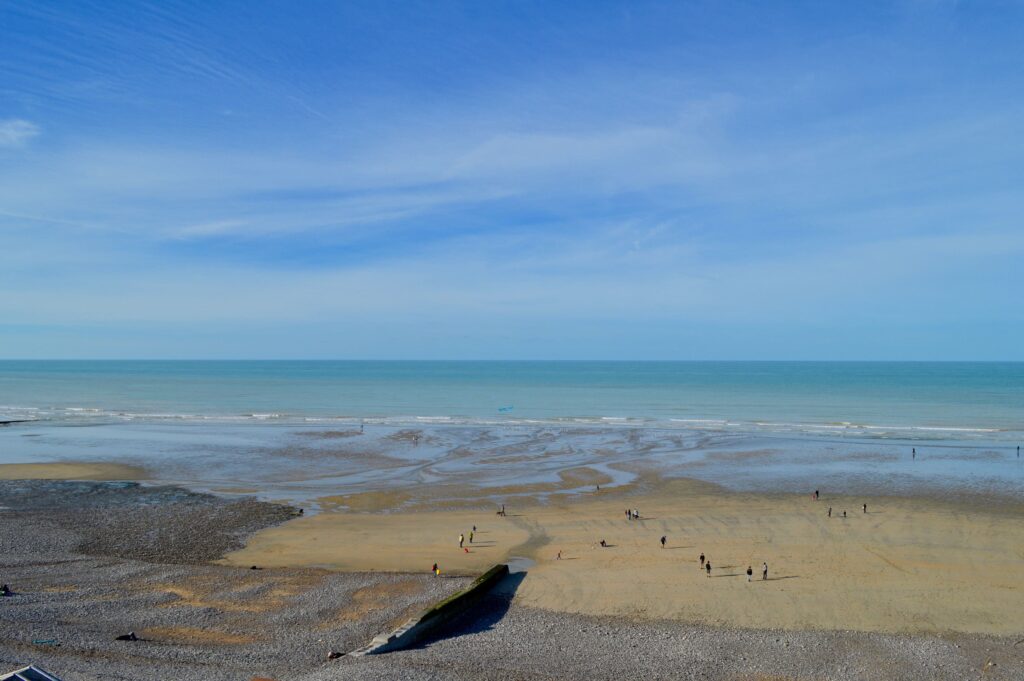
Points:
x=512 y=180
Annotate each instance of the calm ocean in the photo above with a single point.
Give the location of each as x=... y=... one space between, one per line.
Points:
x=907 y=400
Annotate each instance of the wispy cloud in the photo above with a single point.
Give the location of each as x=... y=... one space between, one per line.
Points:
x=15 y=132
x=443 y=184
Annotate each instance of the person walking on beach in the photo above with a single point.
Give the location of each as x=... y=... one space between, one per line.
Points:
x=434 y=569
x=750 y=573
x=702 y=560
x=764 y=572
x=829 y=511
x=844 y=514
x=817 y=495
x=865 y=508
x=662 y=541
x=707 y=566
x=471 y=536
x=462 y=540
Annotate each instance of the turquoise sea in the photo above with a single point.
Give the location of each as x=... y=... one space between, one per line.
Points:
x=299 y=430
x=911 y=399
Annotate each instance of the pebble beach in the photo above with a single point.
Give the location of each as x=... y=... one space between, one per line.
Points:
x=90 y=561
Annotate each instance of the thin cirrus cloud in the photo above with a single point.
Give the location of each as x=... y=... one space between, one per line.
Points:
x=701 y=181
x=15 y=132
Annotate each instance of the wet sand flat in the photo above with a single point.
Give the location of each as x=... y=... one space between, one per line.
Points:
x=909 y=565
x=71 y=471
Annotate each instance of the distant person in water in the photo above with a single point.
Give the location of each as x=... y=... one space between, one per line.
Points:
x=462 y=540
x=662 y=541
x=764 y=572
x=707 y=566
x=702 y=560
x=750 y=573
x=913 y=452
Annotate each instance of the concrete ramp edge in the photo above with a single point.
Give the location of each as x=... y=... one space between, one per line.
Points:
x=418 y=628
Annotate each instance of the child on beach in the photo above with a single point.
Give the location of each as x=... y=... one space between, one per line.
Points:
x=702 y=560
x=462 y=540
x=707 y=566
x=663 y=541
x=750 y=573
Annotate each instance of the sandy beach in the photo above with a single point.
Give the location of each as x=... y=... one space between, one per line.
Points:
x=914 y=565
x=924 y=583
x=71 y=471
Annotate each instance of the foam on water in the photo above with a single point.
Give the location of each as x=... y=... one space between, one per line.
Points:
x=220 y=422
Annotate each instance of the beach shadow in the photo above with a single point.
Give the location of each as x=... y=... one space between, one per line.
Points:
x=731 y=574
x=482 y=616
x=673 y=548
x=775 y=579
